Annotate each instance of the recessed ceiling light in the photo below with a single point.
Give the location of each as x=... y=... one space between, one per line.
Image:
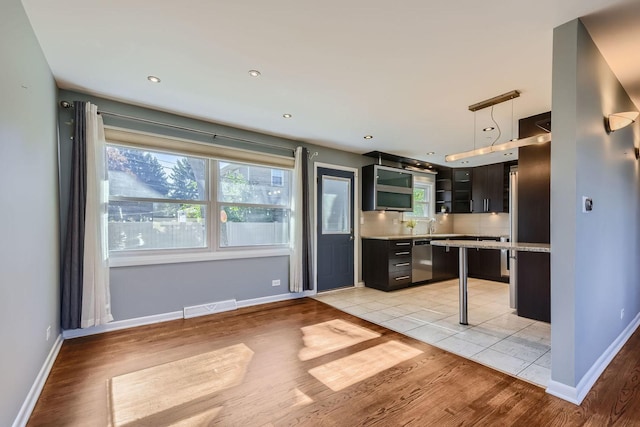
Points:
x=508 y=154
x=368 y=137
x=153 y=79
x=488 y=128
x=254 y=73
x=431 y=153
x=430 y=167
x=464 y=162
x=287 y=115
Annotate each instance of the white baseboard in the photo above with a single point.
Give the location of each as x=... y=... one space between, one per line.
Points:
x=34 y=393
x=123 y=324
x=577 y=394
x=273 y=298
x=174 y=315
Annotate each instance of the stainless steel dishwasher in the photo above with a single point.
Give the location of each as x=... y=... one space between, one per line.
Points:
x=421 y=261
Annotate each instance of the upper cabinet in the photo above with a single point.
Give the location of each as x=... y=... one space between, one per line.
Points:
x=462 y=187
x=488 y=188
x=473 y=190
x=386 y=188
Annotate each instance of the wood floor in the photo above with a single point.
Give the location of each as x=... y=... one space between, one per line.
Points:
x=304 y=363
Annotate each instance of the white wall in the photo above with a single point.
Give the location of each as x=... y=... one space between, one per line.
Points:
x=29 y=272
x=595 y=271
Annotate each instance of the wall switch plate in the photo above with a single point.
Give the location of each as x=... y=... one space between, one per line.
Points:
x=275 y=282
x=587 y=204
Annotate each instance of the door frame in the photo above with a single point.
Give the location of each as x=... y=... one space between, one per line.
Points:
x=357 y=209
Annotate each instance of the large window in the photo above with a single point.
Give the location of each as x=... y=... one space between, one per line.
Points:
x=161 y=201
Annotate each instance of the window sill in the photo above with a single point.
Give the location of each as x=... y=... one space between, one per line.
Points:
x=135 y=260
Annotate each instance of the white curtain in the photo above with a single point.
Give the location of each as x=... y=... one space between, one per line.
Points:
x=296 y=241
x=96 y=297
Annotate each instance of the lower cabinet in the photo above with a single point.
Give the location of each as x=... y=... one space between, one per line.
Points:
x=484 y=264
x=386 y=264
x=445 y=263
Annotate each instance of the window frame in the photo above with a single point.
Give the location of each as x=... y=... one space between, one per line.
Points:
x=427 y=182
x=212 y=249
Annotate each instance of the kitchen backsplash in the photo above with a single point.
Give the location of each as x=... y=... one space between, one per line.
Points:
x=391 y=223
x=488 y=224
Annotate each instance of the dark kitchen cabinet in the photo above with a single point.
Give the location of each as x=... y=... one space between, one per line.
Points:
x=462 y=188
x=386 y=188
x=484 y=264
x=445 y=263
x=444 y=188
x=386 y=264
x=487 y=188
x=534 y=193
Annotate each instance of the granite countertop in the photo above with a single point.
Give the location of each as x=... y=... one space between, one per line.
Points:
x=428 y=236
x=517 y=246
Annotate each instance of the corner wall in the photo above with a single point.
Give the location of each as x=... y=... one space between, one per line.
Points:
x=595 y=272
x=29 y=272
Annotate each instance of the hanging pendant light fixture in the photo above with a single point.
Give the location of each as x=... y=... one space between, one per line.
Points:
x=513 y=143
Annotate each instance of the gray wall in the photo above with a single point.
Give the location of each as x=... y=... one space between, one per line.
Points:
x=155 y=289
x=29 y=271
x=594 y=260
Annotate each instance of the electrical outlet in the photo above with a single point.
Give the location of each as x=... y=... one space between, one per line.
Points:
x=48 y=332
x=621 y=313
x=275 y=282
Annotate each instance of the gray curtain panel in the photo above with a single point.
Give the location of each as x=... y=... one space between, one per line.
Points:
x=72 y=260
x=306 y=224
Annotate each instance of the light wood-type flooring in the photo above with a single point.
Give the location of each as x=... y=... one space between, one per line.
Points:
x=303 y=362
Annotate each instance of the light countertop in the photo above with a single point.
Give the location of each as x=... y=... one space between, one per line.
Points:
x=427 y=236
x=517 y=246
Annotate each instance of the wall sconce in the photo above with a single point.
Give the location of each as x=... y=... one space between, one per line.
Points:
x=616 y=121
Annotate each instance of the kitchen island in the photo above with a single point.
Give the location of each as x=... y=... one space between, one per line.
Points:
x=463 y=245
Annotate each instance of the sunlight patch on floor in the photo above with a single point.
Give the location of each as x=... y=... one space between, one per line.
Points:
x=357 y=367
x=327 y=337
x=150 y=391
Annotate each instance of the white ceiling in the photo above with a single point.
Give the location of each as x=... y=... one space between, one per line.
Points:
x=404 y=72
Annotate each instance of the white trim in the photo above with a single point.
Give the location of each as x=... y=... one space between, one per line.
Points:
x=34 y=393
x=577 y=394
x=274 y=298
x=357 y=212
x=128 y=261
x=123 y=324
x=174 y=315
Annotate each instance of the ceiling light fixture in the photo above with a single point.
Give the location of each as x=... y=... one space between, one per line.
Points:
x=287 y=115
x=254 y=73
x=153 y=79
x=431 y=153
x=513 y=143
x=537 y=139
x=488 y=128
x=368 y=137
x=617 y=121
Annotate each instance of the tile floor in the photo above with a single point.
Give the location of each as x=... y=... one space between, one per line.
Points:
x=495 y=336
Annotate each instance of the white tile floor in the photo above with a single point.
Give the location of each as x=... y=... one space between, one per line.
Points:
x=495 y=336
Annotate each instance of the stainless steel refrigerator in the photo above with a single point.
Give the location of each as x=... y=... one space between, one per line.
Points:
x=513 y=237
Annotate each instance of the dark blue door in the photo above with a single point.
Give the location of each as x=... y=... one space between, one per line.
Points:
x=335 y=228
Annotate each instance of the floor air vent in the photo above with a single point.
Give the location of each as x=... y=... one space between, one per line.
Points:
x=213 y=307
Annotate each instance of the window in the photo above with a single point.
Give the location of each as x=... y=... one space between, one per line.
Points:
x=156 y=200
x=423 y=198
x=253 y=211
x=162 y=201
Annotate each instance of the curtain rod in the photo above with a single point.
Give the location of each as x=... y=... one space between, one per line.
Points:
x=67 y=105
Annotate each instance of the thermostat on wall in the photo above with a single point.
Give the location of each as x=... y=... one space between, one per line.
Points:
x=587 y=204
